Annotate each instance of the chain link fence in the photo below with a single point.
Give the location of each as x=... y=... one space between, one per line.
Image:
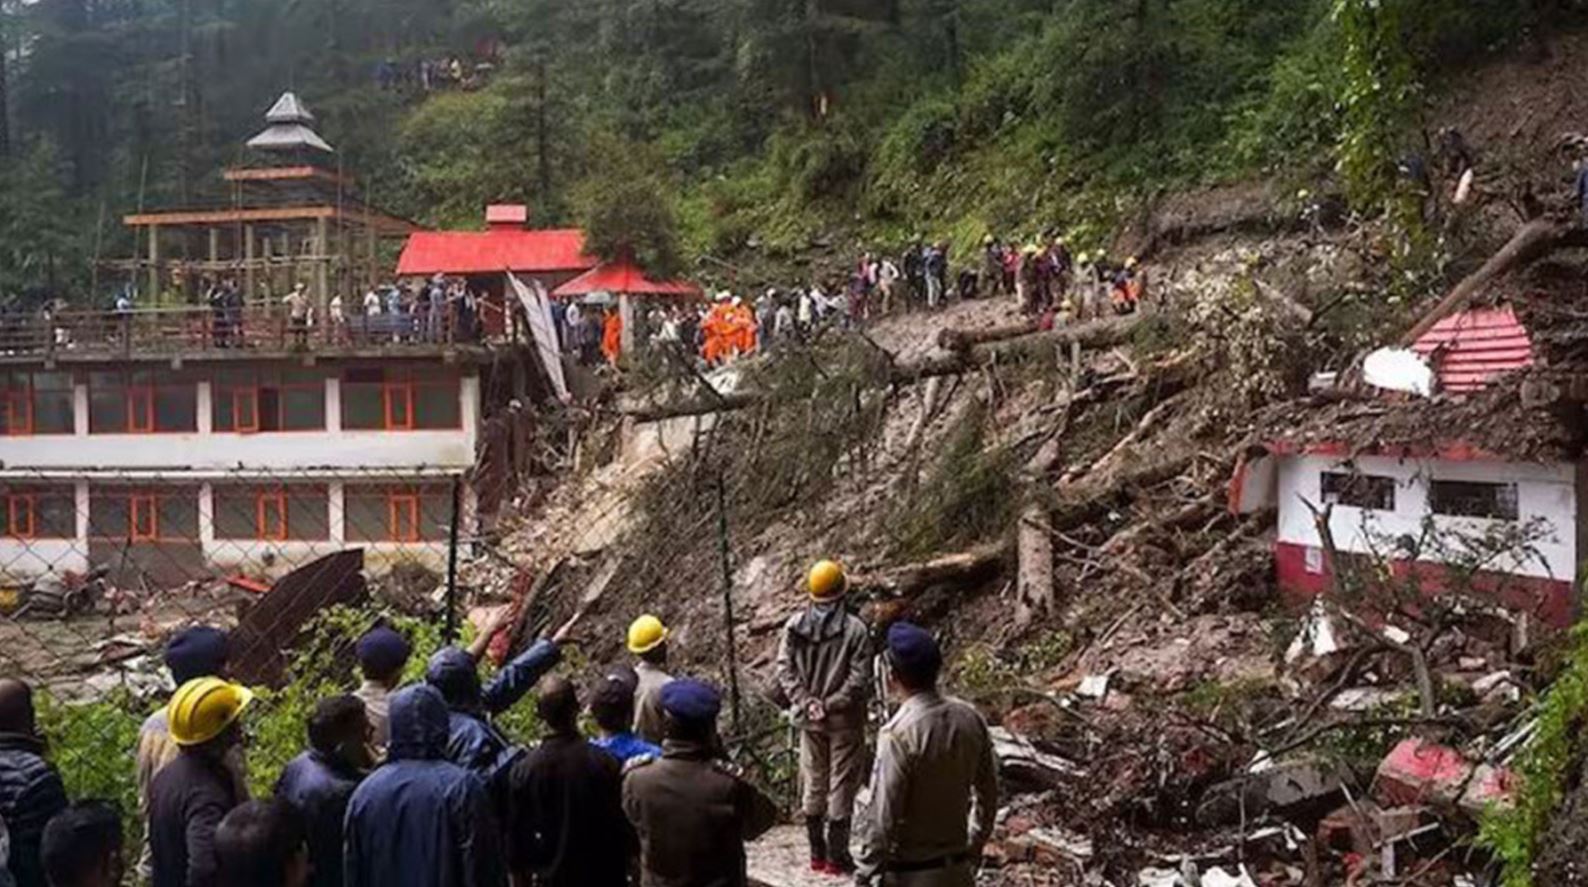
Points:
x=99 y=568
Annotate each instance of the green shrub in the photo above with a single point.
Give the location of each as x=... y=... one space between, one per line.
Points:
x=1544 y=767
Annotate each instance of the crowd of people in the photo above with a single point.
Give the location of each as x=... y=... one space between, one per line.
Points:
x=1048 y=283
x=415 y=785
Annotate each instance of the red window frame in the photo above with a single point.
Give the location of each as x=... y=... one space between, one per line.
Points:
x=396 y=505
x=241 y=393
x=140 y=398
x=264 y=501
x=399 y=389
x=398 y=392
x=143 y=508
x=18 y=400
x=30 y=503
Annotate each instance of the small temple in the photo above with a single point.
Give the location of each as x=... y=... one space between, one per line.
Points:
x=292 y=217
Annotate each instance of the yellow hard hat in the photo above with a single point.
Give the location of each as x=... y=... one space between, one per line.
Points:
x=827 y=581
x=646 y=634
x=204 y=707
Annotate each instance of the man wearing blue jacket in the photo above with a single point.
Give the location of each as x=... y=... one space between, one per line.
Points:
x=421 y=820
x=472 y=740
x=319 y=782
x=31 y=791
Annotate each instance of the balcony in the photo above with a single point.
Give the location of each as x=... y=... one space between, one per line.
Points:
x=251 y=331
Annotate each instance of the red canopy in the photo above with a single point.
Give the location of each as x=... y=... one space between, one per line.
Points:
x=623 y=277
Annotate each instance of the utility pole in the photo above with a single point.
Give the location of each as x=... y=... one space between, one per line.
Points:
x=5 y=92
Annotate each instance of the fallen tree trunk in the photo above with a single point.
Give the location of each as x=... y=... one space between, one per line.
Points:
x=1104 y=333
x=1025 y=336
x=1034 y=592
x=1531 y=242
x=909 y=579
x=1090 y=504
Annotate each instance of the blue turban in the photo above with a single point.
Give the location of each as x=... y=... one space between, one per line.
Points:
x=914 y=651
x=382 y=651
x=197 y=652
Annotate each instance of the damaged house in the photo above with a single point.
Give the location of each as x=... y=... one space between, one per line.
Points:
x=1459 y=470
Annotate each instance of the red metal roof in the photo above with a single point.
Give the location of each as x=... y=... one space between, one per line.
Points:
x=1469 y=349
x=623 y=277
x=496 y=251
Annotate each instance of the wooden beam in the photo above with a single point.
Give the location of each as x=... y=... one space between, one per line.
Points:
x=379 y=221
x=285 y=174
x=226 y=216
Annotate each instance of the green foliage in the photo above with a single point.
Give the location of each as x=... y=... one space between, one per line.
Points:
x=79 y=734
x=1544 y=768
x=38 y=245
x=626 y=206
x=465 y=150
x=968 y=496
x=1380 y=88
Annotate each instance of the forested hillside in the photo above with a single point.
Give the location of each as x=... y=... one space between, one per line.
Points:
x=766 y=124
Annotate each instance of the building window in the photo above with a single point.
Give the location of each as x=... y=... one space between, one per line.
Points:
x=168 y=514
x=247 y=401
x=1370 y=491
x=397 y=512
x=42 y=512
x=1461 y=498
x=36 y=403
x=142 y=402
x=299 y=512
x=384 y=399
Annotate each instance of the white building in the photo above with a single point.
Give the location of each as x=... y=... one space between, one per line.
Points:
x=1409 y=484
x=219 y=462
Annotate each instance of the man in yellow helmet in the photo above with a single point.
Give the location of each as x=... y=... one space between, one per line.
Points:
x=648 y=641
x=190 y=795
x=824 y=670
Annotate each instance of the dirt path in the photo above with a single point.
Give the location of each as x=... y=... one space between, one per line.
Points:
x=781 y=858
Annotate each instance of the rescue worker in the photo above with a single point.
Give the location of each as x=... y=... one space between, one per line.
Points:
x=648 y=640
x=567 y=827
x=382 y=655
x=319 y=782
x=421 y=820
x=934 y=789
x=473 y=741
x=83 y=846
x=824 y=671
x=199 y=651
x=692 y=810
x=189 y=796
x=31 y=790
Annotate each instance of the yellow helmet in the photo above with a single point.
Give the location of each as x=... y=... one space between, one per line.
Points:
x=827 y=581
x=204 y=707
x=646 y=634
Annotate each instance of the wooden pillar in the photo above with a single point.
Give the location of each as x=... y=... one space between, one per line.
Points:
x=322 y=265
x=152 y=297
x=248 y=263
x=626 y=318
x=215 y=248
x=374 y=256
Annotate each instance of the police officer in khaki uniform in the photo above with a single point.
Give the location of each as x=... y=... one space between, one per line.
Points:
x=934 y=788
x=692 y=810
x=824 y=671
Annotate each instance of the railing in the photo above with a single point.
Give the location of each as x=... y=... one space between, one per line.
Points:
x=188 y=329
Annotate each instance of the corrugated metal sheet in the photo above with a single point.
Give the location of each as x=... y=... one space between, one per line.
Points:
x=1469 y=349
x=494 y=252
x=268 y=630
